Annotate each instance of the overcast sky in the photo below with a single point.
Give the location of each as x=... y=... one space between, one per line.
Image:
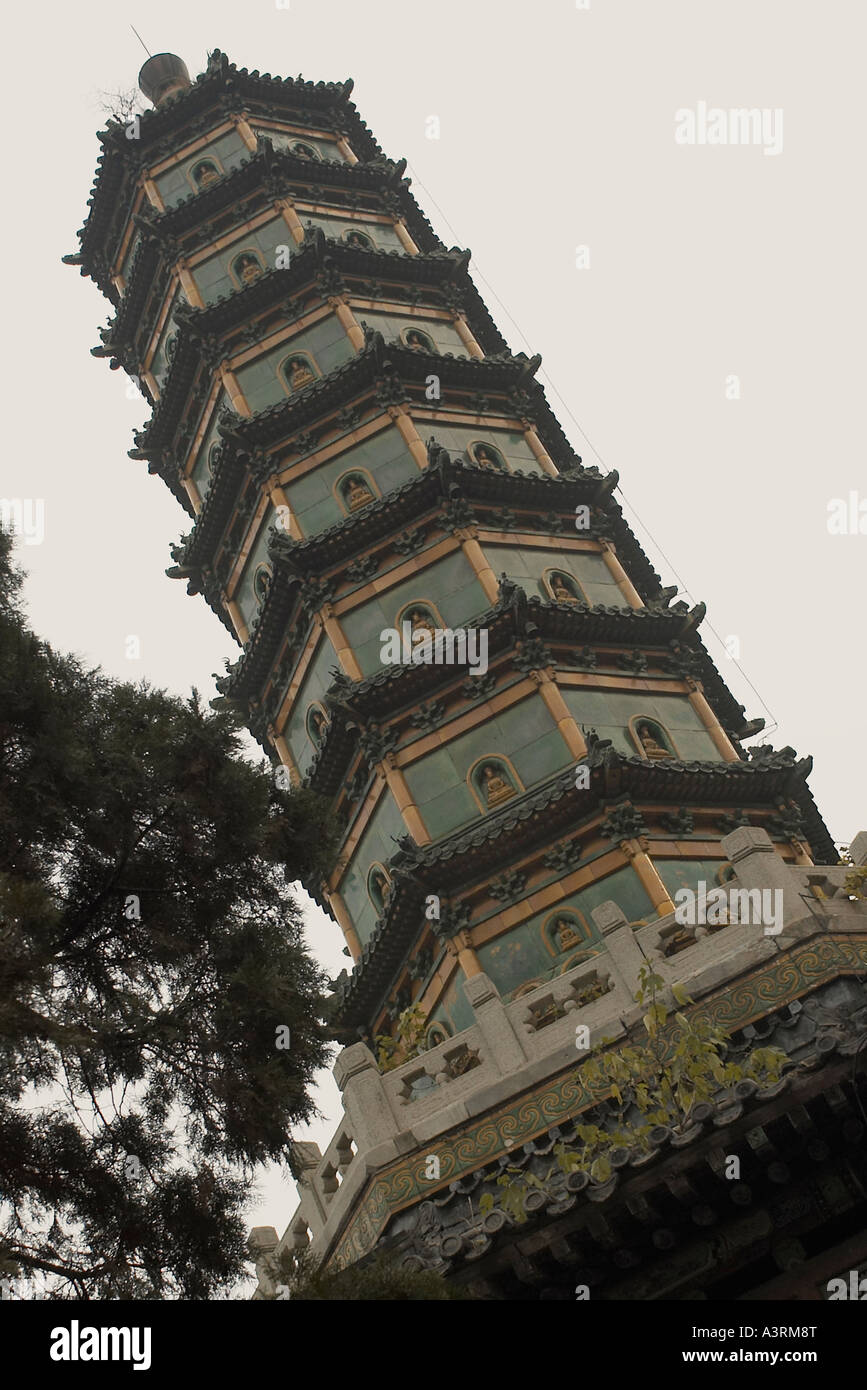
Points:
x=557 y=127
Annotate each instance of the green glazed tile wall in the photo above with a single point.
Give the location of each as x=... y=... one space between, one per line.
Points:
x=230 y=151
x=378 y=843
x=456 y=439
x=443 y=333
x=326 y=342
x=383 y=236
x=520 y=956
x=127 y=262
x=526 y=567
x=313 y=687
x=686 y=873
x=384 y=456
x=212 y=276
x=326 y=149
x=244 y=596
x=526 y=734
x=450 y=583
x=609 y=712
x=159 y=362
x=200 y=474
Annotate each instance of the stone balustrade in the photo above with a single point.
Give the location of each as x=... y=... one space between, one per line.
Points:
x=513 y=1046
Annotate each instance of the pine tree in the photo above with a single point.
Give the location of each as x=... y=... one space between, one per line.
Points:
x=152 y=973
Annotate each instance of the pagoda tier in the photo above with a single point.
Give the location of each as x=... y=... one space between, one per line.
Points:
x=365 y=462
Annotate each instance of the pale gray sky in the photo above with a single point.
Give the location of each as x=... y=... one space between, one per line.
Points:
x=556 y=131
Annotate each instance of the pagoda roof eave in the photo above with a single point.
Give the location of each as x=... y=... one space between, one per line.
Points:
x=544 y=816
x=430 y=268
x=671 y=1170
x=222 y=88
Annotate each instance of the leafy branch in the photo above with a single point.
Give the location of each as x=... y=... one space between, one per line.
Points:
x=654 y=1083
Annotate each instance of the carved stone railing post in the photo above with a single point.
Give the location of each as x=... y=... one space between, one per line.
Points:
x=261 y=1243
x=365 y=1098
x=757 y=865
x=858 y=849
x=627 y=958
x=502 y=1044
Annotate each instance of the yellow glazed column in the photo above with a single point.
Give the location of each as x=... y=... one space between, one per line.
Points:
x=232 y=387
x=410 y=434
x=406 y=240
x=710 y=721
x=334 y=633
x=466 y=336
x=188 y=285
x=284 y=753
x=349 y=323
x=397 y=785
x=559 y=711
x=653 y=885
x=238 y=623
x=152 y=193
x=338 y=907
x=546 y=463
x=246 y=133
x=291 y=218
x=344 y=149
x=620 y=577
x=461 y=947
x=476 y=556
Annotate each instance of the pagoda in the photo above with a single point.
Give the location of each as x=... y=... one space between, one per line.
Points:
x=448 y=630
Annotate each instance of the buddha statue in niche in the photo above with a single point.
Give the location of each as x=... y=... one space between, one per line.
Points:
x=560 y=590
x=421 y=622
x=417 y=341
x=318 y=724
x=358 y=240
x=357 y=494
x=380 y=888
x=486 y=458
x=653 y=750
x=298 y=373
x=261 y=583
x=495 y=786
x=247 y=269
x=205 y=174
x=567 y=937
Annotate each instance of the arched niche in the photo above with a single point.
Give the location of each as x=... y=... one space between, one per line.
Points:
x=316 y=721
x=246 y=267
x=493 y=781
x=652 y=739
x=303 y=150
x=422 y=615
x=262 y=577
x=212 y=458
x=355 y=490
x=378 y=886
x=562 y=587
x=436 y=1034
x=417 y=339
x=297 y=371
x=526 y=988
x=565 y=931
x=487 y=455
x=362 y=241
x=204 y=172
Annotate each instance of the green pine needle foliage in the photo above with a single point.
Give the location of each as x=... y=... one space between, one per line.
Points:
x=150 y=949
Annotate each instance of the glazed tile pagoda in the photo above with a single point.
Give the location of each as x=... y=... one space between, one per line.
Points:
x=358 y=453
